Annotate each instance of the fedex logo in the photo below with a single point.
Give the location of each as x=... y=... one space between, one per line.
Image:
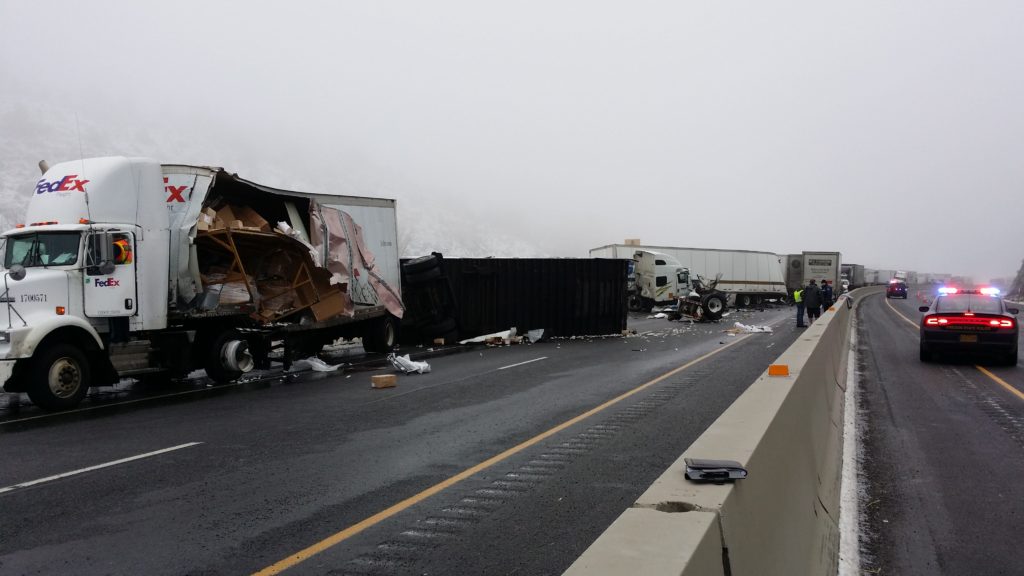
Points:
x=112 y=282
x=69 y=183
x=175 y=192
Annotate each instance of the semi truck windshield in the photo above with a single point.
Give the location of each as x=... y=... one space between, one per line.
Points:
x=42 y=249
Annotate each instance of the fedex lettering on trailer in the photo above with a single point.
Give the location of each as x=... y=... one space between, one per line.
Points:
x=111 y=282
x=69 y=183
x=175 y=193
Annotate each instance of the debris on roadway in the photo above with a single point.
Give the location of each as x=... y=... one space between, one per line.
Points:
x=739 y=328
x=408 y=365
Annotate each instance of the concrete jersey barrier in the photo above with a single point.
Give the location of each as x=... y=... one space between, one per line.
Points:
x=783 y=518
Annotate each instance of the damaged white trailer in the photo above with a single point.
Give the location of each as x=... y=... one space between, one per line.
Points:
x=128 y=267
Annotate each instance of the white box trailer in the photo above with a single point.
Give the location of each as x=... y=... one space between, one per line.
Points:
x=801 y=268
x=127 y=267
x=748 y=276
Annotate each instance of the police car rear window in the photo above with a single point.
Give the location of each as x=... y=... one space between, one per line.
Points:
x=976 y=303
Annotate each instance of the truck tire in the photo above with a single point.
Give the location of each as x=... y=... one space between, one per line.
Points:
x=713 y=306
x=634 y=303
x=60 y=377
x=381 y=335
x=437 y=329
x=420 y=265
x=228 y=342
x=744 y=300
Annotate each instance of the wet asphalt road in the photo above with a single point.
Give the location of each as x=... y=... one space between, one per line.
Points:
x=944 y=454
x=282 y=465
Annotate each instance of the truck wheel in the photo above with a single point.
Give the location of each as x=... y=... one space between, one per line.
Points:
x=60 y=377
x=228 y=357
x=440 y=328
x=421 y=264
x=744 y=300
x=381 y=335
x=713 y=306
x=634 y=303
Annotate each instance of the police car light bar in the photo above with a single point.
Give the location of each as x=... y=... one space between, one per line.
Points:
x=947 y=290
x=990 y=291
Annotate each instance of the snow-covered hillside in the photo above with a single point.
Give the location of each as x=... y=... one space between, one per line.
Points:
x=30 y=133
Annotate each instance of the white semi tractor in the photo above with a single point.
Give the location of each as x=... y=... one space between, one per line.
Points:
x=126 y=267
x=747 y=277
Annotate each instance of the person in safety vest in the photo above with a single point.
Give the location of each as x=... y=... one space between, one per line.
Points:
x=122 y=251
x=798 y=298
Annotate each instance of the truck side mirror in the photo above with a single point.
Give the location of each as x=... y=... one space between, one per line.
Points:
x=101 y=251
x=17 y=272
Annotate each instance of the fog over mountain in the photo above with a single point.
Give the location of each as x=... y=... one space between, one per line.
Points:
x=34 y=132
x=890 y=132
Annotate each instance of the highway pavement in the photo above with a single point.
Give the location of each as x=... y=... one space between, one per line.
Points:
x=499 y=461
x=943 y=453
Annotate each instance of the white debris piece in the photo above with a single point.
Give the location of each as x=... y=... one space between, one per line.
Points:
x=658 y=315
x=535 y=335
x=504 y=335
x=738 y=327
x=408 y=365
x=313 y=363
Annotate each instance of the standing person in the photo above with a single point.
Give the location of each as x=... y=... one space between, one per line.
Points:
x=812 y=301
x=827 y=296
x=798 y=298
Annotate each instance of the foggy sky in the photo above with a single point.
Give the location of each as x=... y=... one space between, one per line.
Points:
x=889 y=131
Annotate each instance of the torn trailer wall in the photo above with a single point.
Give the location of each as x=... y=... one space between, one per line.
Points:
x=242 y=248
x=565 y=297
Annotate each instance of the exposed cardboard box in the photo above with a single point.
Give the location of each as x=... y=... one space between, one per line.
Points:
x=632 y=241
x=439 y=341
x=202 y=225
x=329 y=306
x=226 y=214
x=235 y=224
x=250 y=218
x=210 y=212
x=383 y=381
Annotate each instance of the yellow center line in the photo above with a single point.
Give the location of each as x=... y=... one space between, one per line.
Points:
x=981 y=369
x=362 y=525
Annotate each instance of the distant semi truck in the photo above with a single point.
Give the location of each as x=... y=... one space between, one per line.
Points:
x=854 y=274
x=803 y=267
x=746 y=277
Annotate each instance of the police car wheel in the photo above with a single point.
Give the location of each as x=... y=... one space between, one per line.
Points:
x=60 y=377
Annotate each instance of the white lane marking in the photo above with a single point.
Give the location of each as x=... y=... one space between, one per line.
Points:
x=521 y=363
x=96 y=467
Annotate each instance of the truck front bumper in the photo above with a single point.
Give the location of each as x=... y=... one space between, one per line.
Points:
x=6 y=370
